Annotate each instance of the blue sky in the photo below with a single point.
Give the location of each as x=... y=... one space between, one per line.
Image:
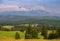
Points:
x=26 y=5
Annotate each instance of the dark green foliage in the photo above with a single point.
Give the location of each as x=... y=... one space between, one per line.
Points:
x=0 y=27
x=22 y=30
x=44 y=31
x=28 y=36
x=6 y=29
x=52 y=36
x=17 y=36
x=31 y=33
x=58 y=31
x=34 y=33
x=56 y=35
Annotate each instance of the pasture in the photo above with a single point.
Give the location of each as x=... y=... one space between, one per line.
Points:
x=11 y=34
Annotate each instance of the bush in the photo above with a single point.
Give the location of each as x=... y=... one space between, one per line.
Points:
x=34 y=33
x=44 y=31
x=17 y=36
x=58 y=31
x=0 y=27
x=28 y=36
x=52 y=36
x=31 y=33
x=22 y=30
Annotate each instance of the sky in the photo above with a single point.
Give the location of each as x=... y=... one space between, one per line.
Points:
x=52 y=6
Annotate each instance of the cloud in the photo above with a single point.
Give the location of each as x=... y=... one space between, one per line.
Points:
x=4 y=7
x=46 y=5
x=12 y=8
x=38 y=8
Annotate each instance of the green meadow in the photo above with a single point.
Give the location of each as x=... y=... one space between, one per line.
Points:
x=11 y=34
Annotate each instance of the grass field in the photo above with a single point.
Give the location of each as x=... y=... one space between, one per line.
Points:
x=11 y=34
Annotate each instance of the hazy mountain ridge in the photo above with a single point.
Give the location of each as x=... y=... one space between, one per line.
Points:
x=17 y=17
x=29 y=19
x=29 y=13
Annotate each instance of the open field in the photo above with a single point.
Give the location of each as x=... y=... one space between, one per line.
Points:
x=11 y=34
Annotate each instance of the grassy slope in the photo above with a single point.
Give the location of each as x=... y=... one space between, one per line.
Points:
x=11 y=34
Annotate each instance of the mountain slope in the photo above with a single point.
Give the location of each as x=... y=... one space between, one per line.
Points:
x=34 y=16
x=29 y=13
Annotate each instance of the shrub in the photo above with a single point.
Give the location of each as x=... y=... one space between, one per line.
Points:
x=17 y=36
x=44 y=31
x=31 y=33
x=58 y=31
x=34 y=33
x=52 y=36
x=28 y=36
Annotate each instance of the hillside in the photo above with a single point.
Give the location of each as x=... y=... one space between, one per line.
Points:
x=17 y=19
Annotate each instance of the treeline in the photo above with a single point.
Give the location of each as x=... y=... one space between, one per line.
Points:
x=32 y=32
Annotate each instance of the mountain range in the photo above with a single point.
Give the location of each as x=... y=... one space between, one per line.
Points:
x=29 y=13
x=33 y=16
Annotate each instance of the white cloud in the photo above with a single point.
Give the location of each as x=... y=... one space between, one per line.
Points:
x=38 y=8
x=12 y=8
x=47 y=5
x=4 y=7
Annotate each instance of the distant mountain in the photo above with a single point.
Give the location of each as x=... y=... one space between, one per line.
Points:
x=34 y=16
x=15 y=19
x=29 y=13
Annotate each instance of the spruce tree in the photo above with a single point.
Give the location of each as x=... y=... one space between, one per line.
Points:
x=44 y=31
x=17 y=36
